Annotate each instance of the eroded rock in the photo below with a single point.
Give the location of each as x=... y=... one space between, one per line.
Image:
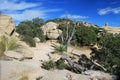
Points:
x=51 y=31
x=6 y=25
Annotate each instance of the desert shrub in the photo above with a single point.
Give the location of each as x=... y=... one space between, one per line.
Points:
x=49 y=65
x=109 y=54
x=59 y=48
x=24 y=78
x=85 y=36
x=61 y=64
x=31 y=28
x=29 y=40
x=39 y=78
x=8 y=43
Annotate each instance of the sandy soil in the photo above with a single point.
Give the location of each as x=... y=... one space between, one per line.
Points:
x=42 y=50
x=13 y=70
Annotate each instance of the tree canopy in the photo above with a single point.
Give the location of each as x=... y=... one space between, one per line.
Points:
x=31 y=28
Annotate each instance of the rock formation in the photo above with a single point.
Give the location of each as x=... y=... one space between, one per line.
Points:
x=51 y=31
x=54 y=34
x=6 y=25
x=111 y=29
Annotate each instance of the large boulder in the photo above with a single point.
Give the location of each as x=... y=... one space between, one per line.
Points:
x=51 y=31
x=49 y=26
x=54 y=34
x=6 y=25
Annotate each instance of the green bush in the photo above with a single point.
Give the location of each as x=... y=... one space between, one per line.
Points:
x=24 y=78
x=61 y=64
x=85 y=36
x=59 y=49
x=109 y=54
x=8 y=43
x=29 y=40
x=31 y=28
x=49 y=65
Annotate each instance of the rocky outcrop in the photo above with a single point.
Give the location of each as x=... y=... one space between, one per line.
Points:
x=86 y=24
x=13 y=54
x=51 y=31
x=6 y=25
x=23 y=54
x=111 y=29
x=54 y=34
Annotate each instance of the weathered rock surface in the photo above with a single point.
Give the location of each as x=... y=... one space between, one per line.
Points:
x=98 y=75
x=14 y=70
x=37 y=40
x=64 y=75
x=27 y=53
x=54 y=34
x=13 y=54
x=49 y=26
x=6 y=24
x=113 y=30
x=23 y=54
x=51 y=31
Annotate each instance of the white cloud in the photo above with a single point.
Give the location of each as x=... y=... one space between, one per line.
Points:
x=12 y=5
x=109 y=10
x=30 y=14
x=21 y=10
x=74 y=16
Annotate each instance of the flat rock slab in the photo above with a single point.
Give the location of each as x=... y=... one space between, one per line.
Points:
x=14 y=70
x=64 y=75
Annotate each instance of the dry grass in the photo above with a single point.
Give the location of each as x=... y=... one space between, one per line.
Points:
x=8 y=43
x=24 y=78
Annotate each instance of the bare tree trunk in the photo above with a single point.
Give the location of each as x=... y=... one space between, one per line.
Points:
x=97 y=64
x=72 y=64
x=68 y=37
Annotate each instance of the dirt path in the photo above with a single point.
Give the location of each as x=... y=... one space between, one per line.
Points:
x=42 y=50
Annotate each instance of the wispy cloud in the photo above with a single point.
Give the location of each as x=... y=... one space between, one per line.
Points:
x=30 y=14
x=21 y=10
x=74 y=16
x=109 y=10
x=12 y=5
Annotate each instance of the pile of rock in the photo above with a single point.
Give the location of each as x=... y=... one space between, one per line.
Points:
x=51 y=30
x=6 y=25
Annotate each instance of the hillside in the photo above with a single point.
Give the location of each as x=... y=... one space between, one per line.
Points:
x=58 y=49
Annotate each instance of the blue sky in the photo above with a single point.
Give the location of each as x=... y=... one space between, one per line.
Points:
x=93 y=11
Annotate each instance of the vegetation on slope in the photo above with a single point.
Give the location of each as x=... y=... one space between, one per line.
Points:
x=8 y=43
x=31 y=28
x=107 y=56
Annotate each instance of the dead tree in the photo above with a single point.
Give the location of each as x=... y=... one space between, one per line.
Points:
x=68 y=37
x=80 y=66
x=72 y=64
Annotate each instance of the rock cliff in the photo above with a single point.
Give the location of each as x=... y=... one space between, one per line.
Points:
x=6 y=25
